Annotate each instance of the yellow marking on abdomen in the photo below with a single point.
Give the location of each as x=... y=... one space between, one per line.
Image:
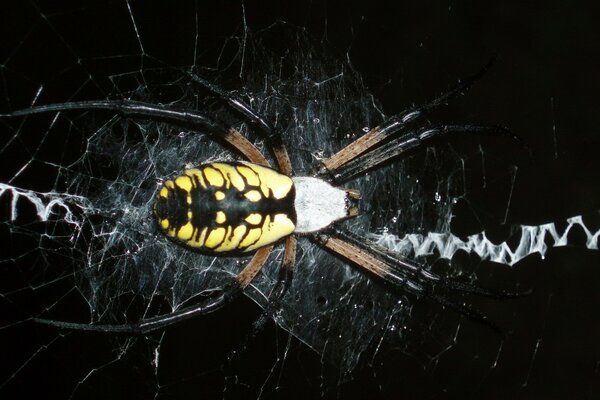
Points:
x=200 y=241
x=279 y=184
x=215 y=238
x=186 y=232
x=213 y=176
x=249 y=174
x=164 y=223
x=253 y=195
x=184 y=182
x=272 y=231
x=254 y=219
x=253 y=236
x=196 y=174
x=220 y=217
x=231 y=175
x=233 y=239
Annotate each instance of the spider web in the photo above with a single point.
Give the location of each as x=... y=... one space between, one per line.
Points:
x=77 y=188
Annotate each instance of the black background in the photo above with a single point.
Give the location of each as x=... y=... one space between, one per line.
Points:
x=544 y=86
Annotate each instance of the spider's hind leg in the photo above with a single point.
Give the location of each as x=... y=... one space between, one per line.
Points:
x=193 y=119
x=208 y=305
x=406 y=142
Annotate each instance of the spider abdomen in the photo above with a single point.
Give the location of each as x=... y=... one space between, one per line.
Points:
x=229 y=207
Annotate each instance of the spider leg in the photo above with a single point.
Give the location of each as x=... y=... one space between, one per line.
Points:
x=193 y=119
x=237 y=104
x=272 y=136
x=396 y=124
x=283 y=283
x=402 y=273
x=402 y=266
x=211 y=304
x=410 y=140
x=280 y=288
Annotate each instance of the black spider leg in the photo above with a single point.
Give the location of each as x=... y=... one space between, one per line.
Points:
x=131 y=108
x=212 y=303
x=282 y=285
x=410 y=140
x=272 y=136
x=275 y=297
x=237 y=104
x=148 y=325
x=394 y=125
x=404 y=274
x=193 y=119
x=401 y=265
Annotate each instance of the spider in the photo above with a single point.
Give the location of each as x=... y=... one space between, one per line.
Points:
x=249 y=206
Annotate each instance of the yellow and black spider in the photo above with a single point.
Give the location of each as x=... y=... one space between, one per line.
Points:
x=236 y=208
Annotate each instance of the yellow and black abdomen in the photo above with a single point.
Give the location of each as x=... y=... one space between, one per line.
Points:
x=227 y=207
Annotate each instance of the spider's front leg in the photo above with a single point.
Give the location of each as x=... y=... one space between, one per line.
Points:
x=405 y=275
x=411 y=140
x=400 y=133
